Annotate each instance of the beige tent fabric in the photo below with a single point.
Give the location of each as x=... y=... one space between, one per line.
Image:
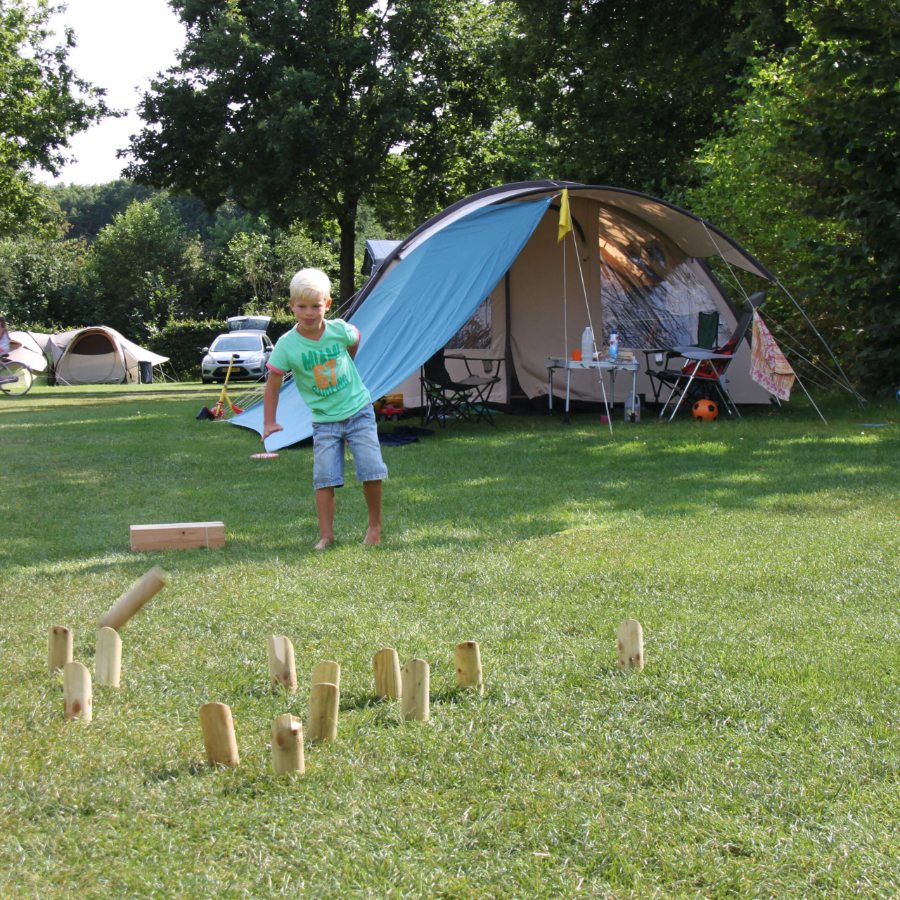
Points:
x=28 y=347
x=99 y=355
x=621 y=244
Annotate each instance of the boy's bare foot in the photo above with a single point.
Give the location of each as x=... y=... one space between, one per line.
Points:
x=324 y=544
x=373 y=537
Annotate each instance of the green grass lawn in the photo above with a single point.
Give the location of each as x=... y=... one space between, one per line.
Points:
x=756 y=755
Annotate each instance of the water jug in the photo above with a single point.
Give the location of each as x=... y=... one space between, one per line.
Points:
x=632 y=408
x=614 y=344
x=587 y=345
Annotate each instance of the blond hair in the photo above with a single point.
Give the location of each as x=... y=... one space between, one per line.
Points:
x=310 y=283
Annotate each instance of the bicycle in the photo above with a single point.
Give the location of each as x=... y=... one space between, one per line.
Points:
x=16 y=378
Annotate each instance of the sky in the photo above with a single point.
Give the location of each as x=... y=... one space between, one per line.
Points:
x=121 y=45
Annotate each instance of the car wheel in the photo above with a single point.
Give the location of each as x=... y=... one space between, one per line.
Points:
x=206 y=380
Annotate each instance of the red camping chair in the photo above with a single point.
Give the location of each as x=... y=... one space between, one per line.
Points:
x=705 y=369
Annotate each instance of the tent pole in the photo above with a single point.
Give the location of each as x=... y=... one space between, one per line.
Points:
x=507 y=342
x=847 y=384
x=808 y=397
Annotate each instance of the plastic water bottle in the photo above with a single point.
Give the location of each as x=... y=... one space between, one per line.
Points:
x=614 y=344
x=632 y=408
x=587 y=345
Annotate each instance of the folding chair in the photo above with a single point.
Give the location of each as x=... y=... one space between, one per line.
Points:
x=704 y=369
x=707 y=338
x=464 y=399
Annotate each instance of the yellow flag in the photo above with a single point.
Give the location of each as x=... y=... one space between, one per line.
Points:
x=565 y=217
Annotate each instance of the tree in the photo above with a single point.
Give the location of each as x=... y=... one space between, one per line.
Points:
x=807 y=170
x=144 y=270
x=42 y=104
x=297 y=109
x=623 y=91
x=41 y=281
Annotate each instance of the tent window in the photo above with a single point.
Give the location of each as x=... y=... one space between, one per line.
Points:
x=93 y=345
x=476 y=333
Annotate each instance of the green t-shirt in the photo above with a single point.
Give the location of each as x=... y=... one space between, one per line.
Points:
x=324 y=372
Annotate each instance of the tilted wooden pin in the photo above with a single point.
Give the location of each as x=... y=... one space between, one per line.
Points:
x=467 y=657
x=324 y=701
x=416 y=678
x=77 y=692
x=287 y=745
x=60 y=648
x=328 y=672
x=630 y=641
x=131 y=602
x=282 y=670
x=386 y=664
x=218 y=734
x=108 y=657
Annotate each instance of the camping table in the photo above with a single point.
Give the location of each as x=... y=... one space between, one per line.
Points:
x=601 y=365
x=698 y=355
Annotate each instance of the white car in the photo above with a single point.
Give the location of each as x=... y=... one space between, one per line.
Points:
x=249 y=351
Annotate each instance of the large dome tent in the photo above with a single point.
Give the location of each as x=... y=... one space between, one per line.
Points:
x=640 y=261
x=631 y=261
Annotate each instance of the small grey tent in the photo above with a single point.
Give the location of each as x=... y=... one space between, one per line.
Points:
x=100 y=355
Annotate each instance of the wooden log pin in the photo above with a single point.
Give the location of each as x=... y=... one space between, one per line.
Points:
x=630 y=642
x=131 y=602
x=328 y=672
x=324 y=700
x=77 y=692
x=282 y=670
x=287 y=745
x=108 y=657
x=386 y=663
x=467 y=657
x=416 y=681
x=60 y=648
x=218 y=734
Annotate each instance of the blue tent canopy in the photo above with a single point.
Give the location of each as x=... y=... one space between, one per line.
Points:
x=419 y=305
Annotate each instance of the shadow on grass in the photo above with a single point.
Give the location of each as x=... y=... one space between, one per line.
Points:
x=462 y=489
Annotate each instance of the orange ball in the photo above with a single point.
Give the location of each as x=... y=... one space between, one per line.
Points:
x=705 y=410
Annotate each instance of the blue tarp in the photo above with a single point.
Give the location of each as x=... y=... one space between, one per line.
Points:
x=419 y=305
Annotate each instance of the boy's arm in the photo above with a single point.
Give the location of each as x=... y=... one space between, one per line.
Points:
x=270 y=403
x=354 y=347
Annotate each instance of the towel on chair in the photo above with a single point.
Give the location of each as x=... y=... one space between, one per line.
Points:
x=768 y=365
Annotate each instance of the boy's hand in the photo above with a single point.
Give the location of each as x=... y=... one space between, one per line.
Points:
x=271 y=428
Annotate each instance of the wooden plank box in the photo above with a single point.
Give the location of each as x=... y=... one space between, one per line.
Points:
x=178 y=536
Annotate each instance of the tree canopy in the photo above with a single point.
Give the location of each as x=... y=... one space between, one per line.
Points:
x=806 y=171
x=42 y=104
x=294 y=109
x=622 y=92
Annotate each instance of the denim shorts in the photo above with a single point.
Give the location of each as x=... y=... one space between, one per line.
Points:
x=361 y=433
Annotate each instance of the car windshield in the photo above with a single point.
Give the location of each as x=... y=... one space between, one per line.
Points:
x=234 y=344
